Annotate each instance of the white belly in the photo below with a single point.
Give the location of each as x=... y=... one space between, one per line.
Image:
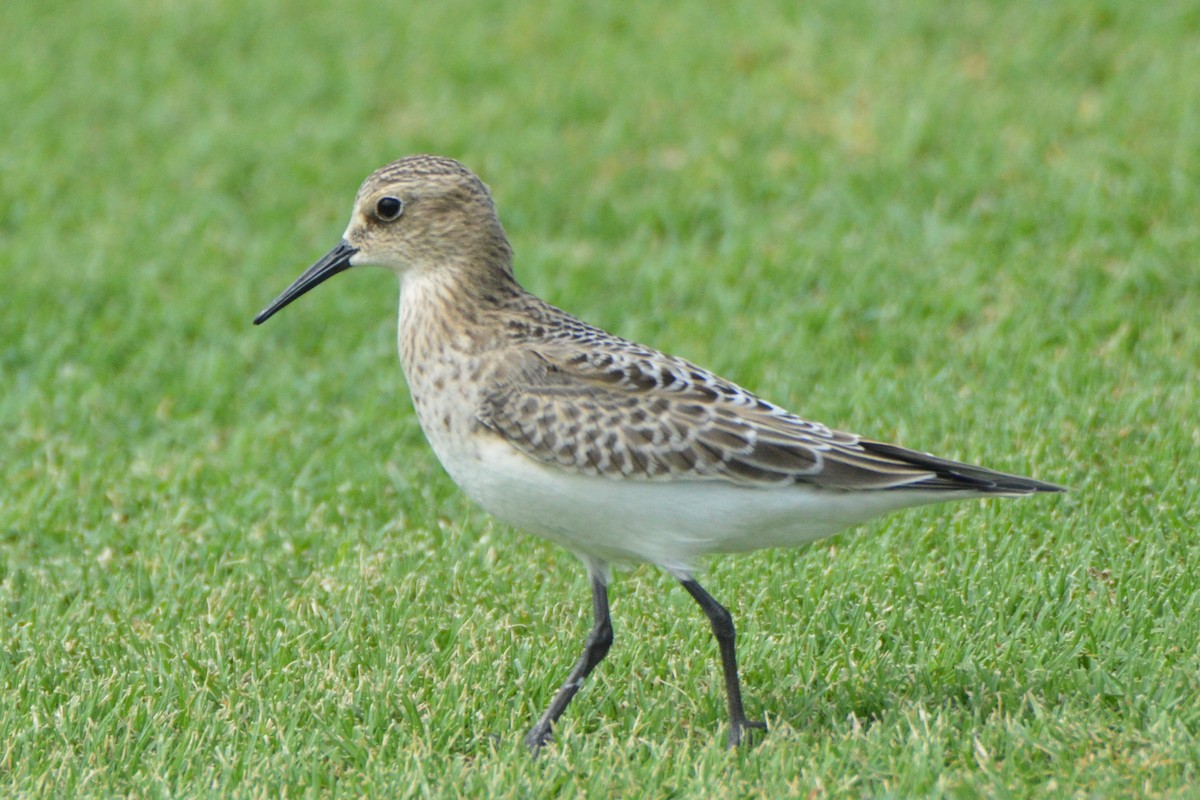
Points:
x=670 y=523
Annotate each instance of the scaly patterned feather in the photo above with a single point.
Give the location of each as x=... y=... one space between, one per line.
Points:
x=594 y=403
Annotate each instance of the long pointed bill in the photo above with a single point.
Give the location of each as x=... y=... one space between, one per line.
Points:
x=335 y=261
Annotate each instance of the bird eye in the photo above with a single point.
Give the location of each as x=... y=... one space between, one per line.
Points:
x=389 y=209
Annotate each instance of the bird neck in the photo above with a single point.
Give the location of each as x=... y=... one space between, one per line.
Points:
x=453 y=309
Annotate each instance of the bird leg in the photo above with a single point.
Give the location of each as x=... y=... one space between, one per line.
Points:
x=723 y=631
x=598 y=642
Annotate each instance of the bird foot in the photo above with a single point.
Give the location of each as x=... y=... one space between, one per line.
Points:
x=739 y=732
x=537 y=737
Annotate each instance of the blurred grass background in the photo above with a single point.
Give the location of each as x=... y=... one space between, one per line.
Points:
x=229 y=564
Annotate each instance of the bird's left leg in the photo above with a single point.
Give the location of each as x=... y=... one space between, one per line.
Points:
x=598 y=642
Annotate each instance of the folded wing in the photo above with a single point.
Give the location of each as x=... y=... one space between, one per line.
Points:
x=619 y=409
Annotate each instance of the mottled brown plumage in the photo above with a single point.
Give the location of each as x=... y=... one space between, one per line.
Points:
x=610 y=448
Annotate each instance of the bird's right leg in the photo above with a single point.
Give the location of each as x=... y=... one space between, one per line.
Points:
x=598 y=642
x=722 y=628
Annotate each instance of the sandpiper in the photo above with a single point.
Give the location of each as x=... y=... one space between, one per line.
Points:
x=612 y=449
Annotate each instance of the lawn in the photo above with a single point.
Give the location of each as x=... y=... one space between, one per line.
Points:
x=230 y=566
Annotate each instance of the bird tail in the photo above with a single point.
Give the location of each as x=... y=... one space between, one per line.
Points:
x=953 y=475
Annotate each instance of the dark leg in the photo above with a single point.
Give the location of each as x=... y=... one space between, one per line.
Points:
x=722 y=626
x=598 y=642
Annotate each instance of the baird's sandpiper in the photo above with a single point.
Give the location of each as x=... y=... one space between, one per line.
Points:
x=610 y=448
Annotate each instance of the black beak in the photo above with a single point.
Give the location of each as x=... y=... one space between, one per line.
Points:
x=335 y=261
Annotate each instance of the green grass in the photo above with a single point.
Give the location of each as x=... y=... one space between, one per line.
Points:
x=229 y=564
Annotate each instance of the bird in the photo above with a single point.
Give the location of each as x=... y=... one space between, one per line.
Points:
x=618 y=452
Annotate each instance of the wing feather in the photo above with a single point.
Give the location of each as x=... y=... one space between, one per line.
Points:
x=626 y=411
